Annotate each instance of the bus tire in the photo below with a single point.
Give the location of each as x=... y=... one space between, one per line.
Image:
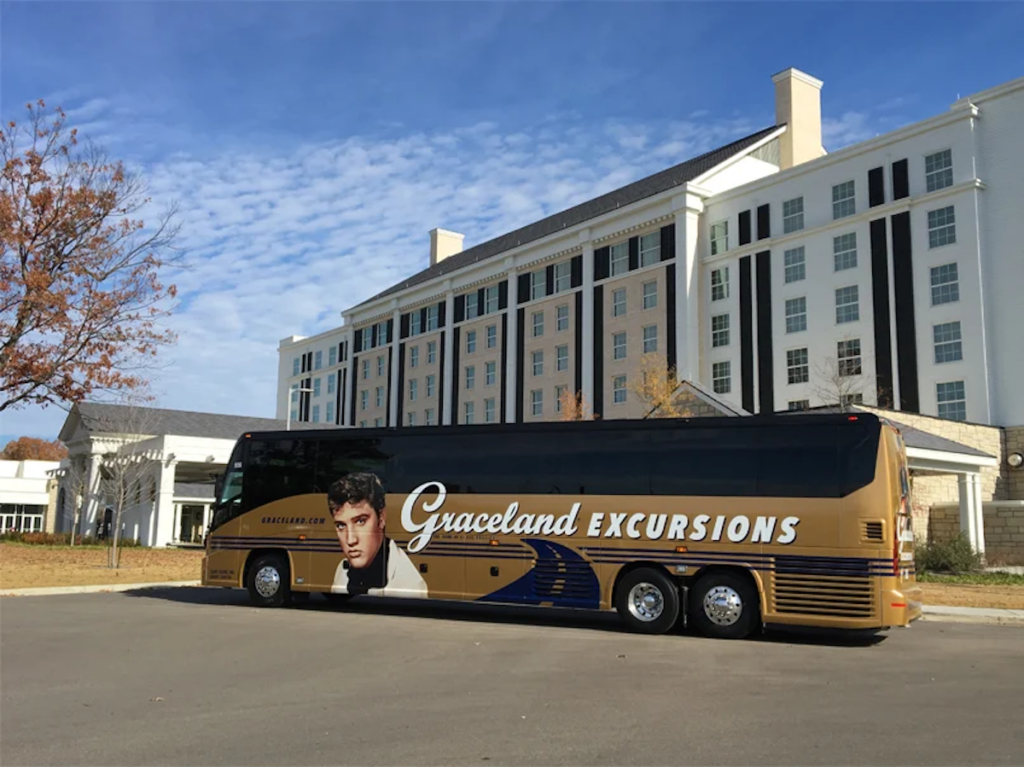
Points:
x=269 y=581
x=724 y=605
x=647 y=600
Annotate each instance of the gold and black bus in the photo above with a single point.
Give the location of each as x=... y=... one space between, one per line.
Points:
x=725 y=524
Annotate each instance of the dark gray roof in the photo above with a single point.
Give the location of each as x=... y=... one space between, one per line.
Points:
x=99 y=417
x=193 y=490
x=661 y=181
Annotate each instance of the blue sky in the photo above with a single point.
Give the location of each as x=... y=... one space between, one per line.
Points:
x=311 y=146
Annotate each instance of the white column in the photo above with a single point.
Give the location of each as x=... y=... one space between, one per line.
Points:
x=588 y=321
x=688 y=208
x=511 y=344
x=163 y=532
x=449 y=373
x=979 y=516
x=92 y=496
x=394 y=393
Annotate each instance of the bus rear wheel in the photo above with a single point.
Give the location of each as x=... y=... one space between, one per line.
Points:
x=724 y=605
x=269 y=581
x=647 y=600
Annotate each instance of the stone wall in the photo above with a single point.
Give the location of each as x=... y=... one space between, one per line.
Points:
x=1004 y=529
x=1014 y=477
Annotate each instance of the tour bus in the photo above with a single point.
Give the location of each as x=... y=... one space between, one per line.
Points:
x=729 y=525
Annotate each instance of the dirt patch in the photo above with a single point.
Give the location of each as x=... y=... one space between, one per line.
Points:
x=970 y=595
x=36 y=566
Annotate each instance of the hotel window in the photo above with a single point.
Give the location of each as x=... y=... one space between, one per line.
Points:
x=719 y=283
x=412 y=419
x=428 y=416
x=316 y=387
x=295 y=366
x=414 y=388
x=618 y=302
x=332 y=356
x=619 y=256
x=938 y=170
x=795 y=264
x=380 y=365
x=538 y=324
x=430 y=385
x=562 y=358
x=414 y=324
x=364 y=399
x=538 y=363
x=367 y=340
x=316 y=414
x=559 y=395
x=793 y=215
x=470 y=376
x=295 y=393
x=332 y=383
x=952 y=400
x=295 y=414
x=719 y=237
x=650 y=339
x=948 y=343
x=650 y=249
x=489 y=410
x=470 y=341
x=721 y=377
x=651 y=294
x=941 y=227
x=619 y=346
x=619 y=389
x=318 y=360
x=844 y=251
x=563 y=317
x=472 y=306
x=366 y=369
x=847 y=304
x=378 y=422
x=431 y=352
x=945 y=284
x=849 y=357
x=379 y=398
x=330 y=412
x=843 y=200
x=796 y=314
x=491 y=299
x=414 y=356
x=799 y=404
x=852 y=399
x=797 y=369
x=538 y=284
x=492 y=336
x=490 y=373
x=432 y=317
x=720 y=330
x=469 y=409
x=537 y=402
x=563 y=276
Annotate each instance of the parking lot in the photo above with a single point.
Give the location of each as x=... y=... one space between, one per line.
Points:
x=197 y=677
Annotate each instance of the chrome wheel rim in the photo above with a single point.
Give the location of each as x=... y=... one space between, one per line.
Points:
x=723 y=606
x=646 y=602
x=268 y=581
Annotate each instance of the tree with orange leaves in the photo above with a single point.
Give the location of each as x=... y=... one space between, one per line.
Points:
x=80 y=293
x=574 y=407
x=33 y=449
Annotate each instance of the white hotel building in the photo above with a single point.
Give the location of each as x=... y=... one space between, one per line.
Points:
x=758 y=270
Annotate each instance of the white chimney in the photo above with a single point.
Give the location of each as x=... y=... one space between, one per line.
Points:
x=443 y=244
x=798 y=105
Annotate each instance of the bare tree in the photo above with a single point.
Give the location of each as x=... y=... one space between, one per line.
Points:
x=839 y=381
x=656 y=387
x=74 y=483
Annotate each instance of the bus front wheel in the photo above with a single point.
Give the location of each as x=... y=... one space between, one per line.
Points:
x=724 y=605
x=648 y=601
x=268 y=581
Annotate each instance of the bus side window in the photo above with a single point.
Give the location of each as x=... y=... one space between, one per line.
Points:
x=278 y=469
x=703 y=461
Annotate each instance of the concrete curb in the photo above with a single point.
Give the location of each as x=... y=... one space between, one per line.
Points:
x=948 y=614
x=106 y=587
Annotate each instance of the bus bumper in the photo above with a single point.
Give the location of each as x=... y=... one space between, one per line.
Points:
x=901 y=607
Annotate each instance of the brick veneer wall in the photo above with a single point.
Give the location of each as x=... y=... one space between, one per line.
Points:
x=1004 y=529
x=1014 y=477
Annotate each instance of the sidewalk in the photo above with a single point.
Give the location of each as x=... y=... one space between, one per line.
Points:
x=945 y=614
x=106 y=587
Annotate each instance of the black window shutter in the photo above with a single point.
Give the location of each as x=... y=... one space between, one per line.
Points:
x=503 y=295
x=442 y=313
x=357 y=340
x=602 y=262
x=423 y=319
x=634 y=253
x=576 y=271
x=374 y=340
x=391 y=330
x=900 y=180
x=549 y=279
x=745 y=227
x=764 y=222
x=460 y=308
x=524 y=287
x=876 y=187
x=668 y=242
x=404 y=327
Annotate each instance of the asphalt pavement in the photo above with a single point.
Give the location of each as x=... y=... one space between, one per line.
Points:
x=191 y=676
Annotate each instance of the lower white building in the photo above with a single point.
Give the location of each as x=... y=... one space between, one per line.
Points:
x=27 y=496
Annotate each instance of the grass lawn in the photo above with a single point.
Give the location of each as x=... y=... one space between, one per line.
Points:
x=25 y=566
x=974 y=590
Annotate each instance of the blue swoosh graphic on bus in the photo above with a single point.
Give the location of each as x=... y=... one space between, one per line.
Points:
x=560 y=577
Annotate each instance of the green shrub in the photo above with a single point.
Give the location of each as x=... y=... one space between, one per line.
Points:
x=955 y=556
